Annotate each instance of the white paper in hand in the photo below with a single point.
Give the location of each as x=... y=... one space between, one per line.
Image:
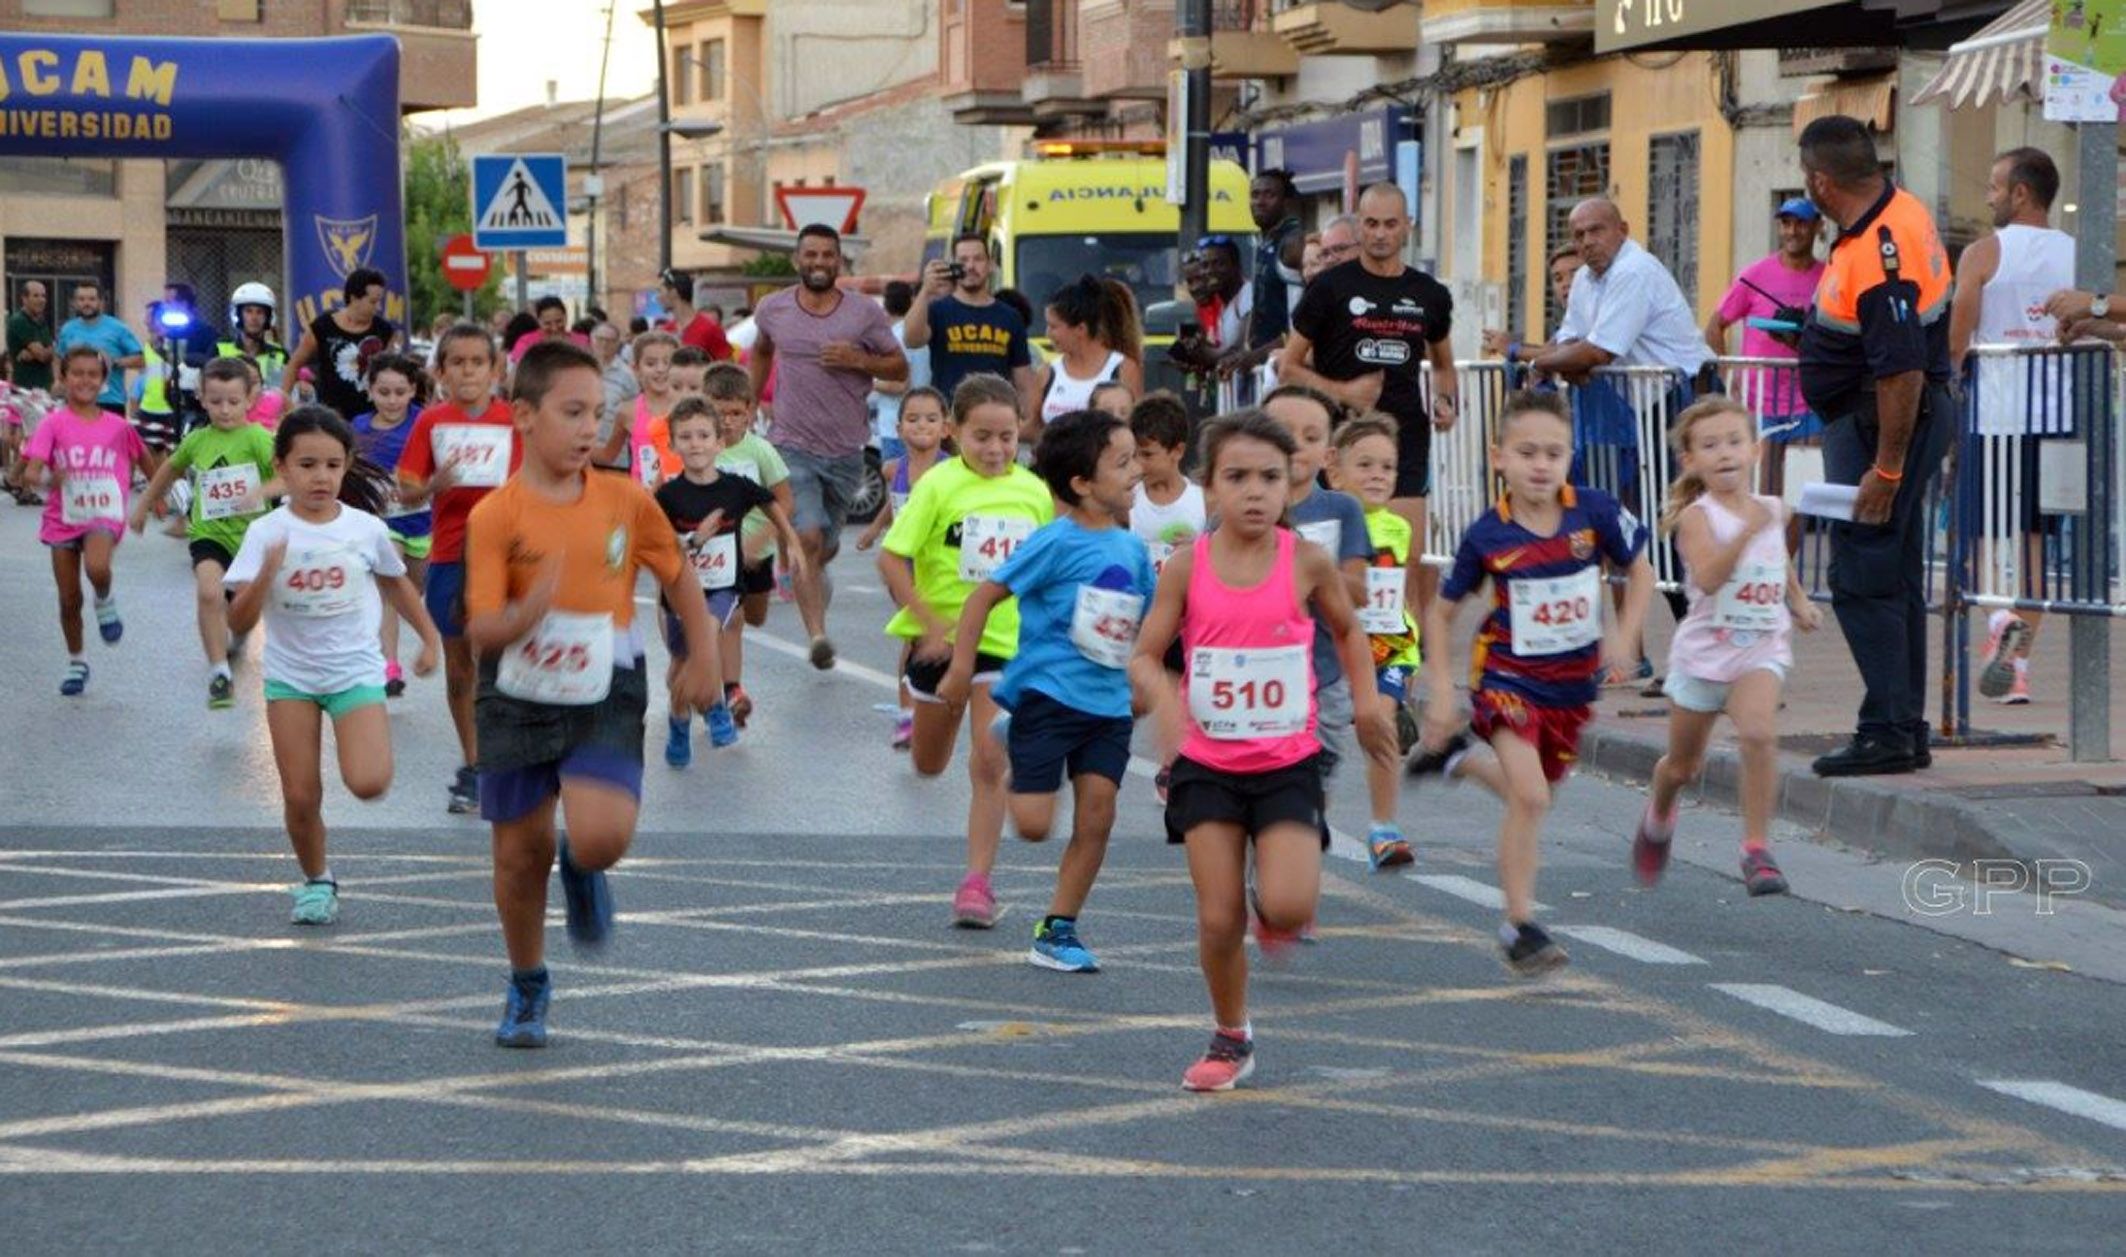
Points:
x=1829 y=501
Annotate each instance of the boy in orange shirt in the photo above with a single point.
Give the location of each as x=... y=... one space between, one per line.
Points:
x=550 y=563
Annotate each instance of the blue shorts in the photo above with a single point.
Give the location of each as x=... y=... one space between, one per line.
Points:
x=445 y=596
x=1393 y=682
x=1047 y=737
x=513 y=793
x=723 y=604
x=527 y=748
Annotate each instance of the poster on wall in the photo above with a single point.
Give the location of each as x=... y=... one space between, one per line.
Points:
x=2085 y=59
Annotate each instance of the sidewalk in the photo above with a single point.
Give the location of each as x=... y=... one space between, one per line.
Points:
x=1979 y=801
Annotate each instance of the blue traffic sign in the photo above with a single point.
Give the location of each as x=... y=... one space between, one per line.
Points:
x=518 y=201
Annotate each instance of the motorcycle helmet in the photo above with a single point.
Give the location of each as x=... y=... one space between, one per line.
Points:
x=251 y=294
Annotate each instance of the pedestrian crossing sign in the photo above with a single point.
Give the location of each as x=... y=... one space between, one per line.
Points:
x=518 y=200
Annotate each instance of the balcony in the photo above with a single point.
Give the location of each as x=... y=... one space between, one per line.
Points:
x=1055 y=82
x=1329 y=28
x=1242 y=44
x=438 y=52
x=1506 y=21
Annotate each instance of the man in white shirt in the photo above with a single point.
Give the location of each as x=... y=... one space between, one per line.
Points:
x=1625 y=308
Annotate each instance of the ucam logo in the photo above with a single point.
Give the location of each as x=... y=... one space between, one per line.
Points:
x=78 y=75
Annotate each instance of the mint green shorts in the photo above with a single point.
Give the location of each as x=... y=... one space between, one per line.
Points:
x=414 y=547
x=335 y=704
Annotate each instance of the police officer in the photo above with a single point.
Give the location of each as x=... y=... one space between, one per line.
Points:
x=1875 y=365
x=251 y=310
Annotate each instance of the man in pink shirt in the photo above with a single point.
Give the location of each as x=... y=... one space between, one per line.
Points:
x=1778 y=288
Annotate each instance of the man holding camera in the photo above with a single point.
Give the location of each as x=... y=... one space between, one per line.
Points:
x=968 y=331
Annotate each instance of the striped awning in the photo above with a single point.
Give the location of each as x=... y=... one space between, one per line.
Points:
x=1872 y=99
x=2004 y=62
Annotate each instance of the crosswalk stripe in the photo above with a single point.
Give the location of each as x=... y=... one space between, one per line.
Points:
x=1808 y=1010
x=1476 y=892
x=1626 y=943
x=2058 y=1095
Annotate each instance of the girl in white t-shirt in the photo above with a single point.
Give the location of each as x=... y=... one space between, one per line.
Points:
x=317 y=570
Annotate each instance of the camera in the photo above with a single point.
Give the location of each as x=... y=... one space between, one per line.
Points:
x=956 y=271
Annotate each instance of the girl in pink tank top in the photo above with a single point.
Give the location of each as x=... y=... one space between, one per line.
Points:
x=1731 y=650
x=631 y=426
x=1249 y=769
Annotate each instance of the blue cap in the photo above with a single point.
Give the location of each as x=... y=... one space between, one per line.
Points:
x=1798 y=207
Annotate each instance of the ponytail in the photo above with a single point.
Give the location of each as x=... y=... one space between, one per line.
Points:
x=1686 y=489
x=1119 y=325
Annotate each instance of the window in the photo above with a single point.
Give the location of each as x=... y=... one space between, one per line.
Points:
x=712 y=193
x=1672 y=207
x=712 y=70
x=683 y=196
x=59 y=176
x=69 y=8
x=1577 y=171
x=238 y=10
x=682 y=76
x=1578 y=116
x=1517 y=247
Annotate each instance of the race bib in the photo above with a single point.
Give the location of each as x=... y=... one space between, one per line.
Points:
x=1160 y=551
x=986 y=541
x=1239 y=695
x=1326 y=533
x=646 y=465
x=744 y=467
x=1383 y=612
x=481 y=451
x=1553 y=616
x=1104 y=626
x=716 y=561
x=566 y=661
x=1753 y=600
x=86 y=498
x=318 y=582
x=224 y=490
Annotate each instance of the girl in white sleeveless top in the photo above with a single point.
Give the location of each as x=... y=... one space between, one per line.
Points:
x=1093 y=325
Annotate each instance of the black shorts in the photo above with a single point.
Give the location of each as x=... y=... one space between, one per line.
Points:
x=1196 y=795
x=205 y=551
x=922 y=676
x=1413 y=459
x=518 y=734
x=757 y=578
x=1048 y=737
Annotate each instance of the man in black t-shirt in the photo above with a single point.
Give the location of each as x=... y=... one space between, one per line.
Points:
x=342 y=343
x=968 y=331
x=1362 y=332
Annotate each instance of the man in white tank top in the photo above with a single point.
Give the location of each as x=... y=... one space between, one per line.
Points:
x=2002 y=284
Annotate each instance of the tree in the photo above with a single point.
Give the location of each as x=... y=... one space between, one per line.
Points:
x=438 y=206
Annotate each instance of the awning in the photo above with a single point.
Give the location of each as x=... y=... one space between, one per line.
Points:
x=1872 y=99
x=2004 y=62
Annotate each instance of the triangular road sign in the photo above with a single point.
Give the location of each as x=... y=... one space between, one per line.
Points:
x=517 y=201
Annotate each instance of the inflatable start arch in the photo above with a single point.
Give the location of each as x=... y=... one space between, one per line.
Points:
x=326 y=109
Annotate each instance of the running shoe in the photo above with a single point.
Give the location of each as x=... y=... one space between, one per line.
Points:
x=1276 y=944
x=1533 y=952
x=1442 y=762
x=590 y=903
x=678 y=742
x=465 y=792
x=1056 y=946
x=1163 y=781
x=740 y=702
x=1406 y=729
x=822 y=653
x=1385 y=848
x=77 y=679
x=107 y=622
x=1225 y=1063
x=903 y=730
x=524 y=1012
x=1760 y=876
x=2010 y=633
x=2018 y=694
x=1650 y=845
x=394 y=679
x=723 y=728
x=221 y=692
x=317 y=902
x=974 y=905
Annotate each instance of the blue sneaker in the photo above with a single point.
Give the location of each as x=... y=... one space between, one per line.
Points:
x=1386 y=849
x=1056 y=946
x=590 y=903
x=678 y=743
x=108 y=625
x=723 y=729
x=77 y=679
x=524 y=1012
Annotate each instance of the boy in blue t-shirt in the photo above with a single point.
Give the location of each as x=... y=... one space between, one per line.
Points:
x=1082 y=583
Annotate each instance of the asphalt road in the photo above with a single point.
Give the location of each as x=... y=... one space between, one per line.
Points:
x=787 y=1050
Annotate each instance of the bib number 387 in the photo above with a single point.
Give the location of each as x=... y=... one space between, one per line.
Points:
x=986 y=541
x=1238 y=695
x=566 y=661
x=1553 y=616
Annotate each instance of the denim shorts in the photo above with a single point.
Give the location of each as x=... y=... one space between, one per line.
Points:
x=822 y=489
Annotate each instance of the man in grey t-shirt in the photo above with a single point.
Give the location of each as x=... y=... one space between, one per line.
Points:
x=824 y=347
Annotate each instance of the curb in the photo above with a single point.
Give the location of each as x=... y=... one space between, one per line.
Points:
x=1855 y=811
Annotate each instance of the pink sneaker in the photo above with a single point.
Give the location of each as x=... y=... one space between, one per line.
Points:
x=974 y=905
x=394 y=679
x=1225 y=1063
x=2018 y=690
x=2003 y=646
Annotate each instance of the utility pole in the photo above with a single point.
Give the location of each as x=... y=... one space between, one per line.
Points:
x=664 y=147
x=1192 y=22
x=594 y=183
x=2089 y=636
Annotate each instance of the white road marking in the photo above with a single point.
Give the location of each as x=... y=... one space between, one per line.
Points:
x=2058 y=1095
x=1479 y=893
x=1829 y=1018
x=1626 y=943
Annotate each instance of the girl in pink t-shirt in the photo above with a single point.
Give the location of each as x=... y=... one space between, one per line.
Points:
x=87 y=456
x=1731 y=651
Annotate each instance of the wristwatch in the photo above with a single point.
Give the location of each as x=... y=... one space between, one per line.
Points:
x=2100 y=307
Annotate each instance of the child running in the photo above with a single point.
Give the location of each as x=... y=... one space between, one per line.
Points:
x=705 y=504
x=88 y=456
x=314 y=569
x=231 y=461
x=460 y=450
x=1538 y=658
x=1166 y=513
x=626 y=444
x=1365 y=468
x=396 y=386
x=747 y=454
x=1731 y=653
x=1250 y=771
x=1081 y=583
x=562 y=684
x=921 y=429
x=962 y=522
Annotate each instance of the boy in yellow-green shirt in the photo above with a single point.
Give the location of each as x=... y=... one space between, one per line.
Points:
x=1365 y=469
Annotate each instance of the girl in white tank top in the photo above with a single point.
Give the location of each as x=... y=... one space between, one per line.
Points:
x=1066 y=392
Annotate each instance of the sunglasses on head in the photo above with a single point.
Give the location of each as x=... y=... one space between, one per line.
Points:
x=1205 y=242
